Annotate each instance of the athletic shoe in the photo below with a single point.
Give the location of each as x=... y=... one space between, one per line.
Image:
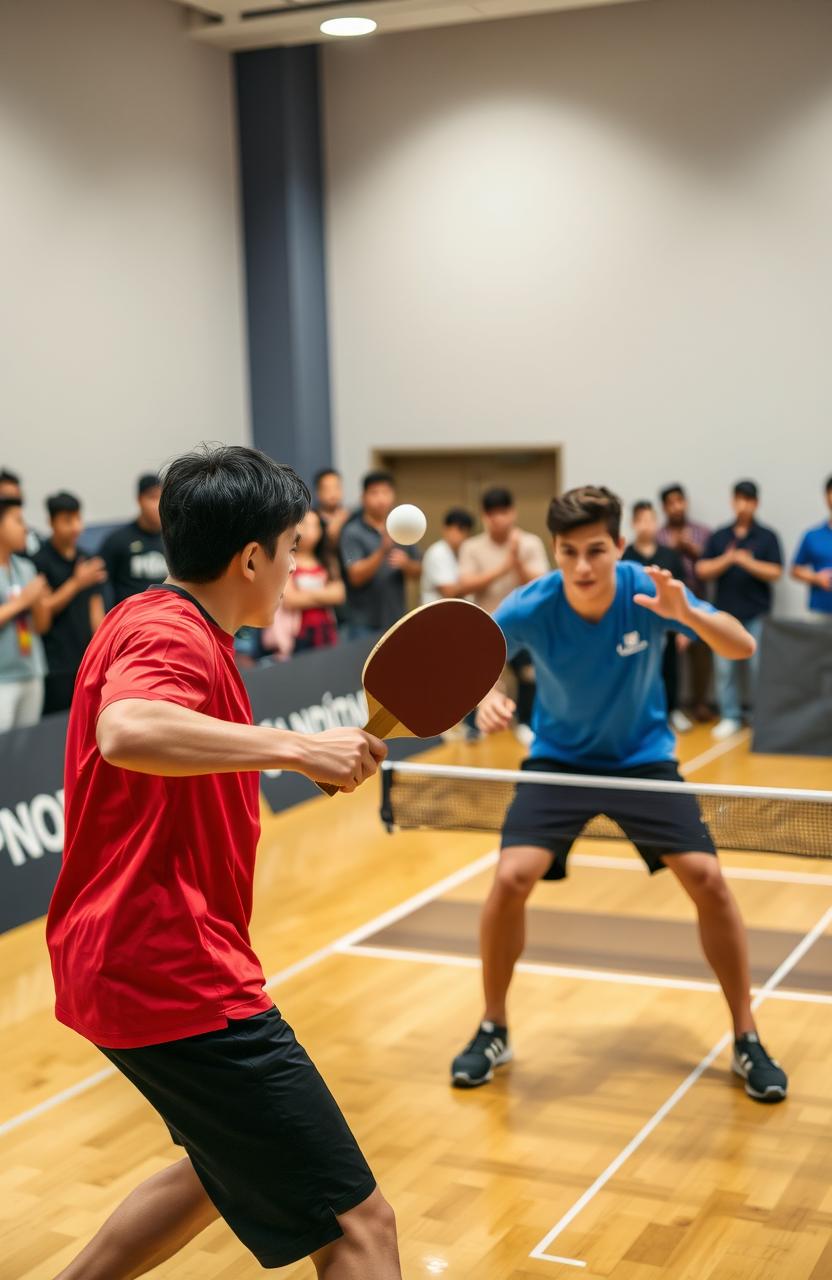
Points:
x=725 y=728
x=680 y=722
x=764 y=1078
x=524 y=735
x=488 y=1049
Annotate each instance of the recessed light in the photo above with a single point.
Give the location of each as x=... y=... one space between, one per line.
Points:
x=348 y=26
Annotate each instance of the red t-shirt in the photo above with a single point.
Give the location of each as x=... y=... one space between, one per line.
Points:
x=148 y=924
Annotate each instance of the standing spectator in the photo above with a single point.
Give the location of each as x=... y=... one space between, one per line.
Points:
x=645 y=550
x=745 y=558
x=76 y=606
x=440 y=567
x=10 y=487
x=23 y=617
x=329 y=504
x=374 y=567
x=688 y=538
x=306 y=615
x=492 y=565
x=133 y=555
x=813 y=562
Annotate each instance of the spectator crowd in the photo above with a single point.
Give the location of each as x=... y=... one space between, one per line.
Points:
x=351 y=581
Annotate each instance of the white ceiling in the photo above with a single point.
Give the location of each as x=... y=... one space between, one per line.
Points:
x=254 y=24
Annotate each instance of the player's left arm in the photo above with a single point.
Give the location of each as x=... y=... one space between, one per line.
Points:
x=672 y=601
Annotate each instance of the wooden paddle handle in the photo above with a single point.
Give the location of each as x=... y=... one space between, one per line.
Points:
x=379 y=725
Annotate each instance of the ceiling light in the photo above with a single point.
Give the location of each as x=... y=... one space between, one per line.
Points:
x=348 y=26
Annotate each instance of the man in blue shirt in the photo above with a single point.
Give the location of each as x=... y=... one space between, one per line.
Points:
x=595 y=629
x=813 y=562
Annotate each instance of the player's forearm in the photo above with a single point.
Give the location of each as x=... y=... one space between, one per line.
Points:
x=412 y=569
x=165 y=739
x=724 y=634
x=802 y=573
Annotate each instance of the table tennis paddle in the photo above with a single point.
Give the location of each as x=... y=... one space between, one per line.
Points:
x=429 y=670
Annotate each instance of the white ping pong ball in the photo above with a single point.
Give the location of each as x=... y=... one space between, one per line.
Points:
x=406 y=524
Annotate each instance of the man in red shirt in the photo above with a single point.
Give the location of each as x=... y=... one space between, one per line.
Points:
x=148 y=925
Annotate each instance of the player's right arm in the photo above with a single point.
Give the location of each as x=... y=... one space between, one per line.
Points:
x=152 y=718
x=172 y=741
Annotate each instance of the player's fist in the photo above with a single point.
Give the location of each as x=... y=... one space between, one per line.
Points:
x=343 y=758
x=495 y=712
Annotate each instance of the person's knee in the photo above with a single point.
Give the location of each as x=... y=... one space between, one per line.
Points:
x=371 y=1226
x=515 y=879
x=707 y=886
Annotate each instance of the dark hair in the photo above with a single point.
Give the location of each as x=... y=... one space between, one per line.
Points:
x=8 y=477
x=62 y=502
x=217 y=499
x=377 y=477
x=497 y=499
x=323 y=473
x=669 y=490
x=6 y=504
x=587 y=505
x=746 y=489
x=643 y=505
x=459 y=518
x=150 y=480
x=829 y=484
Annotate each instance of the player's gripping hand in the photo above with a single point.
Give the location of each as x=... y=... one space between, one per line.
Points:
x=495 y=712
x=343 y=757
x=670 y=600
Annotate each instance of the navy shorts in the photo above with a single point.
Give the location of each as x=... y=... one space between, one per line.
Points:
x=264 y=1134
x=552 y=817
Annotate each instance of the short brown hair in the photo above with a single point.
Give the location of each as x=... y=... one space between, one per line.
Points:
x=587 y=505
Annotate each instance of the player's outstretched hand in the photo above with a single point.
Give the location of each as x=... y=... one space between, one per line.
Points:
x=495 y=712
x=670 y=600
x=343 y=757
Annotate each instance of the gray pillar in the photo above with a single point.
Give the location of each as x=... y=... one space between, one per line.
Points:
x=279 y=123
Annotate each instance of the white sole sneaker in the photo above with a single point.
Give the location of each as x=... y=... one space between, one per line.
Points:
x=725 y=728
x=774 y=1093
x=463 y=1081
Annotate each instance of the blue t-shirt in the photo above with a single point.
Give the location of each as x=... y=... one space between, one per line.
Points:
x=815 y=550
x=600 y=695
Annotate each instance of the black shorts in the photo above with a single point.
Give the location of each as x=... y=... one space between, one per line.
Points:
x=552 y=817
x=264 y=1134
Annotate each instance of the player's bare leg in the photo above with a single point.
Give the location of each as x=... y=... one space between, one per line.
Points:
x=503 y=923
x=502 y=938
x=721 y=930
x=155 y=1221
x=368 y=1249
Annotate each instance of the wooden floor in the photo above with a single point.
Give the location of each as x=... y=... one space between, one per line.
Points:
x=613 y=1141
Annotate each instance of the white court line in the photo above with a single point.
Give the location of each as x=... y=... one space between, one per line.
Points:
x=714 y=752
x=355 y=935
x=541 y=969
x=730 y=873
x=539 y=1251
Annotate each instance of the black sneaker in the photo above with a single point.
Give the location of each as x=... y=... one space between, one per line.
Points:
x=488 y=1049
x=764 y=1078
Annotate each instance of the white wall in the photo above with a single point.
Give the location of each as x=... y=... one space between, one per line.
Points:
x=121 y=317
x=609 y=229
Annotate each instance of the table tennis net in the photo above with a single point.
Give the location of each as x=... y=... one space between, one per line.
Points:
x=754 y=819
